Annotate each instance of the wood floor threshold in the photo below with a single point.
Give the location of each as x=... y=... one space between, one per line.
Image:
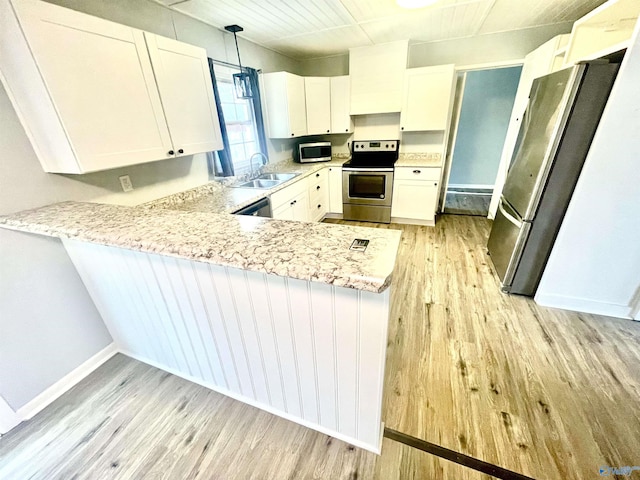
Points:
x=453 y=456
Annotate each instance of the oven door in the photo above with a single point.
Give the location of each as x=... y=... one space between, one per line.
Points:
x=371 y=186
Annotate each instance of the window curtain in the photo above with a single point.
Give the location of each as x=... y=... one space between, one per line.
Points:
x=257 y=109
x=224 y=165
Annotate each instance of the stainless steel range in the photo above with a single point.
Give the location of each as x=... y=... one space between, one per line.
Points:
x=367 y=180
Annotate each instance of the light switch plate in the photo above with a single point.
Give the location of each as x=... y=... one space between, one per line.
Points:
x=125 y=181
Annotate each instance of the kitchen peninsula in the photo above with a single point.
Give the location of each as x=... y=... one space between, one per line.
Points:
x=282 y=315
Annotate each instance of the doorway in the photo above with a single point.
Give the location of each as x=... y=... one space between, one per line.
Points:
x=485 y=105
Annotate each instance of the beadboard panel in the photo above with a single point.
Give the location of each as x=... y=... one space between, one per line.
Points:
x=310 y=352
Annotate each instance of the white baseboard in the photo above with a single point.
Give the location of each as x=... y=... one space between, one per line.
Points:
x=583 y=305
x=413 y=221
x=268 y=408
x=470 y=185
x=66 y=383
x=8 y=418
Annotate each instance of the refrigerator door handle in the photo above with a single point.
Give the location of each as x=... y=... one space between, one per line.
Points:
x=509 y=217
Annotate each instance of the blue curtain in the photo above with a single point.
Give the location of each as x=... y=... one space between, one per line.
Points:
x=257 y=109
x=224 y=166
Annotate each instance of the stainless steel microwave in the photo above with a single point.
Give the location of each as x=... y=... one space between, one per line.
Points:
x=313 y=152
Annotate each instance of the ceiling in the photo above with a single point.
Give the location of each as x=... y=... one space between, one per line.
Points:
x=315 y=28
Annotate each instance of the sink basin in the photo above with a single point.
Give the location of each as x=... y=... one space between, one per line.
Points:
x=267 y=180
x=282 y=177
x=259 y=183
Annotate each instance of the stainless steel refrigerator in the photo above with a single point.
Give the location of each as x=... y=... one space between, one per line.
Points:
x=555 y=135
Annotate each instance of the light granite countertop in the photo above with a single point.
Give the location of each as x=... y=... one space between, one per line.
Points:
x=220 y=198
x=316 y=252
x=419 y=160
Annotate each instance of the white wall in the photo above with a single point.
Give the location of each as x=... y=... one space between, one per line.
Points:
x=595 y=262
x=48 y=324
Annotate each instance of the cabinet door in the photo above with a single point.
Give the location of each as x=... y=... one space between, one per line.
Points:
x=284 y=105
x=98 y=77
x=377 y=75
x=317 y=92
x=186 y=91
x=414 y=199
x=284 y=212
x=335 y=189
x=341 y=121
x=427 y=98
x=296 y=103
x=301 y=207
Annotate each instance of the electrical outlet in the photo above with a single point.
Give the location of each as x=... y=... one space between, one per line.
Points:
x=125 y=181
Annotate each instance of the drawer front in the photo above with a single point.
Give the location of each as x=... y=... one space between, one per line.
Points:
x=287 y=194
x=319 y=176
x=417 y=173
x=318 y=190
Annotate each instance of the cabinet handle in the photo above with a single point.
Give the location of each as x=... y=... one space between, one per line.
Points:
x=346 y=129
x=401 y=128
x=171 y=152
x=318 y=187
x=436 y=184
x=317 y=174
x=292 y=134
x=319 y=205
x=327 y=131
x=181 y=151
x=416 y=171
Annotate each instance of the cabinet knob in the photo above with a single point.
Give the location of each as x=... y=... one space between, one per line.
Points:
x=401 y=128
x=181 y=151
x=318 y=187
x=346 y=129
x=317 y=174
x=319 y=205
x=436 y=184
x=416 y=171
x=328 y=131
x=171 y=152
x=292 y=134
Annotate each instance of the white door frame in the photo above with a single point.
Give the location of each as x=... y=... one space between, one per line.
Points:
x=448 y=160
x=8 y=417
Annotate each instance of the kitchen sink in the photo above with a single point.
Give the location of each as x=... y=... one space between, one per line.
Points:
x=259 y=183
x=282 y=177
x=267 y=180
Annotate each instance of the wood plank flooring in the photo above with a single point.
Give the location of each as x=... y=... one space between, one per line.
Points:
x=131 y=421
x=547 y=393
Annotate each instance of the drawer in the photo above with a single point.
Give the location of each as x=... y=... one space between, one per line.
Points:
x=417 y=173
x=318 y=190
x=288 y=193
x=319 y=176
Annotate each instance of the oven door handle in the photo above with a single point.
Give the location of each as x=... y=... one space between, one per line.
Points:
x=365 y=170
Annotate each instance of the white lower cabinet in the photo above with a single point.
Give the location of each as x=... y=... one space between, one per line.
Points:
x=415 y=195
x=335 y=190
x=318 y=189
x=291 y=203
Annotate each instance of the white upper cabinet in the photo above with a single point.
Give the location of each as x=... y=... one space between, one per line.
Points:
x=184 y=81
x=285 y=104
x=85 y=91
x=317 y=92
x=427 y=98
x=377 y=77
x=341 y=121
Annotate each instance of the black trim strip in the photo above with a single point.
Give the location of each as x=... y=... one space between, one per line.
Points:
x=453 y=456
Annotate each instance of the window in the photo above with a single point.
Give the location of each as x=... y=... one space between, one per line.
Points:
x=240 y=121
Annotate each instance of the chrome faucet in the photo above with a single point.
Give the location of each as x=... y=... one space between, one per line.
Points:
x=265 y=160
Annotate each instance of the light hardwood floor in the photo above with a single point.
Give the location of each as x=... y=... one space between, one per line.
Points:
x=547 y=393
x=131 y=421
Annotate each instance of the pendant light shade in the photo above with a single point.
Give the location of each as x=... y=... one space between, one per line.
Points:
x=241 y=80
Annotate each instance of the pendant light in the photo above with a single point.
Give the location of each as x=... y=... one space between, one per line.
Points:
x=241 y=80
